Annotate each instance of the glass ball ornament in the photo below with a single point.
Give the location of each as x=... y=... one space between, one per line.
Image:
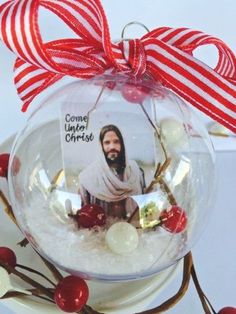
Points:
x=114 y=178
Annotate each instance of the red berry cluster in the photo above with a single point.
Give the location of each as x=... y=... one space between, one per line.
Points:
x=71 y=293
x=135 y=93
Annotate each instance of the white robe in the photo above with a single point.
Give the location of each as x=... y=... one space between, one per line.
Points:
x=100 y=181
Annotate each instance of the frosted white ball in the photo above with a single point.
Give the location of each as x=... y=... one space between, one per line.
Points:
x=173 y=132
x=122 y=238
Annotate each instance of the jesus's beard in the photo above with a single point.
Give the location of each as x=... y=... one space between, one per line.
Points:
x=113 y=158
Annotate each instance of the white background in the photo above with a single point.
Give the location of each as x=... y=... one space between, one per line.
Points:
x=215 y=253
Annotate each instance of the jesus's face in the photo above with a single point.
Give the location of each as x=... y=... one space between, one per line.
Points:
x=111 y=146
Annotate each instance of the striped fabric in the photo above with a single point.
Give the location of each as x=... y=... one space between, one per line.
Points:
x=165 y=53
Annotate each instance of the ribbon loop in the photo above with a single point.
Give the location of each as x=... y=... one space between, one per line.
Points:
x=135 y=56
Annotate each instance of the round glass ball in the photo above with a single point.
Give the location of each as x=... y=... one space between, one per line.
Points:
x=114 y=178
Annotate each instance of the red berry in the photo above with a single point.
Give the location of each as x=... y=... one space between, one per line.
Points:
x=227 y=310
x=135 y=93
x=7 y=256
x=110 y=84
x=174 y=220
x=91 y=215
x=4 y=162
x=71 y=294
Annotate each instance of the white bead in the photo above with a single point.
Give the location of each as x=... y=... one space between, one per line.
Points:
x=122 y=238
x=173 y=132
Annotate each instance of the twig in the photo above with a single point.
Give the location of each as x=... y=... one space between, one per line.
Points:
x=24 y=242
x=8 y=208
x=204 y=300
x=188 y=262
x=35 y=284
x=55 y=272
x=36 y=272
x=156 y=130
x=160 y=169
x=221 y=134
x=56 y=179
x=89 y=310
x=164 y=186
x=35 y=293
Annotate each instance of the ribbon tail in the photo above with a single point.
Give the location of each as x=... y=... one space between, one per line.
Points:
x=210 y=109
x=30 y=81
x=52 y=78
x=194 y=81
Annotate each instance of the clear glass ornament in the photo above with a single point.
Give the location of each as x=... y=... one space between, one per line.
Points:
x=114 y=178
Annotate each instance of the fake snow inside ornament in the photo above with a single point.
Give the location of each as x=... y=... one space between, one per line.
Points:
x=93 y=157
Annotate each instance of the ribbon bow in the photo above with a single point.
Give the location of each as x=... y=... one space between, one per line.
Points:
x=165 y=53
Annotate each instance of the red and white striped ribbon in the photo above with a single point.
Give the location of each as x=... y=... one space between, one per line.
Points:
x=165 y=53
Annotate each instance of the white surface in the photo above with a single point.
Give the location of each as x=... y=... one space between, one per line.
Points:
x=214 y=17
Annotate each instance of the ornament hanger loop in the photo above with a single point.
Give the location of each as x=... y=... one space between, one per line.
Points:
x=130 y=24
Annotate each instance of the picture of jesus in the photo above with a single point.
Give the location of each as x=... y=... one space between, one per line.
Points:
x=112 y=178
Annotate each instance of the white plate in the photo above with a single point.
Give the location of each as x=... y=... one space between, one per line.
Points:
x=116 y=298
